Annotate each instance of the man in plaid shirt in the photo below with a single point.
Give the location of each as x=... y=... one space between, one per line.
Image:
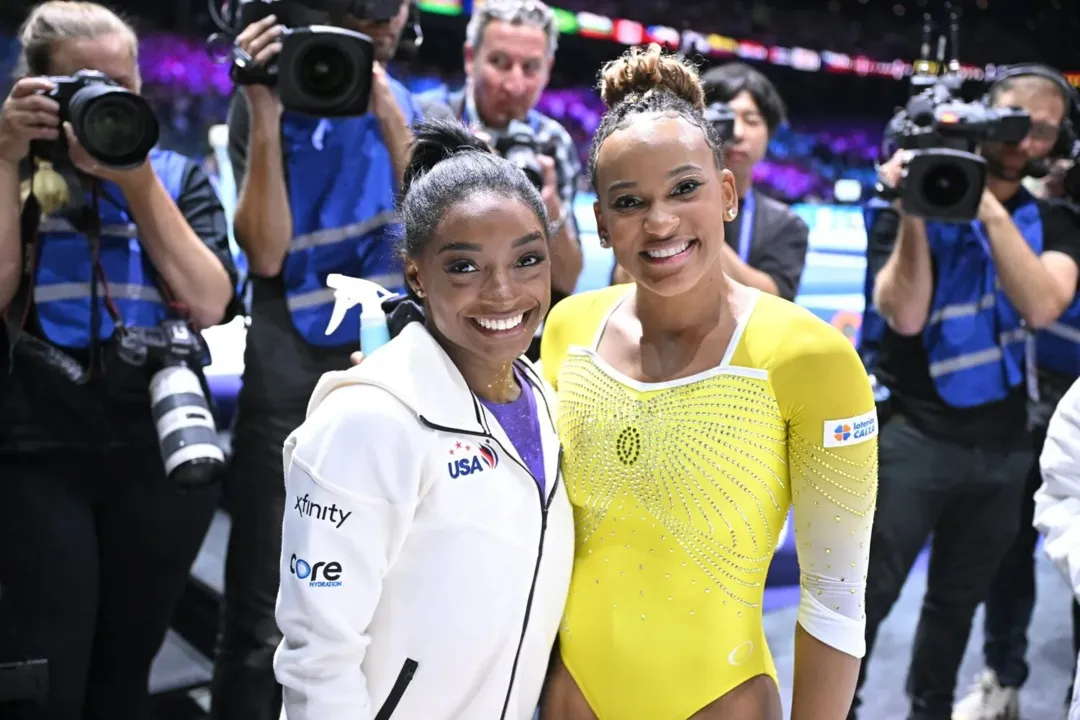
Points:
x=509 y=50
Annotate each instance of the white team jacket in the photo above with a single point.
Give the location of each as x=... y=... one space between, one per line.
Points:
x=1057 y=502
x=423 y=574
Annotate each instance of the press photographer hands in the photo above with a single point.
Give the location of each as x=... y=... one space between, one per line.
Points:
x=891 y=173
x=261 y=41
x=28 y=114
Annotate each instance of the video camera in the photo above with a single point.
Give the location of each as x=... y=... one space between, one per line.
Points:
x=115 y=126
x=322 y=70
x=187 y=432
x=945 y=178
x=519 y=144
x=722 y=119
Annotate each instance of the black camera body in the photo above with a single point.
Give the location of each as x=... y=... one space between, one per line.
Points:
x=519 y=144
x=171 y=342
x=945 y=178
x=722 y=118
x=322 y=70
x=115 y=126
x=186 y=429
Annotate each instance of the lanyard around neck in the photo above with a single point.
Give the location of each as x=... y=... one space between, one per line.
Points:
x=746 y=228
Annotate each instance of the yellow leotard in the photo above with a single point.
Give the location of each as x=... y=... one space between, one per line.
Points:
x=680 y=490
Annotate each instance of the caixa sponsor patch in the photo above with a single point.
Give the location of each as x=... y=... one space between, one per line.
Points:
x=851 y=431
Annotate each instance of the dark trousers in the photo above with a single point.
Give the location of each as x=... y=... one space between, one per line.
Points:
x=967 y=499
x=1011 y=601
x=244 y=685
x=95 y=551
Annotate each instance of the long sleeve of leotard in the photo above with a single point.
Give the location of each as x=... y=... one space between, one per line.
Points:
x=825 y=396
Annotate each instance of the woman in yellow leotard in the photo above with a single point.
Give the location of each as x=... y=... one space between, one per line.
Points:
x=693 y=412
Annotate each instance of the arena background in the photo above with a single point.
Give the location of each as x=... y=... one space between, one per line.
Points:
x=842 y=67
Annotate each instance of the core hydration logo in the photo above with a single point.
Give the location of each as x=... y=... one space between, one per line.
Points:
x=320 y=574
x=466 y=459
x=851 y=431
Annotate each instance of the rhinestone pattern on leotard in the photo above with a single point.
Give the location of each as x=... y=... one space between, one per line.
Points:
x=704 y=460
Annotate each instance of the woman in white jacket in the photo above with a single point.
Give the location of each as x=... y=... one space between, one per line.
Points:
x=428 y=541
x=1057 y=502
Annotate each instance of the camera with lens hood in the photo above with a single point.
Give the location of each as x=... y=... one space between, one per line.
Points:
x=321 y=70
x=722 y=118
x=186 y=430
x=945 y=177
x=519 y=145
x=114 y=125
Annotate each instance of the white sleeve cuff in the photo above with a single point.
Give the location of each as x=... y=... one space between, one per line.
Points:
x=830 y=627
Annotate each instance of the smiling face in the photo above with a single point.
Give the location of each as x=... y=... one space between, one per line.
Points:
x=486 y=278
x=661 y=201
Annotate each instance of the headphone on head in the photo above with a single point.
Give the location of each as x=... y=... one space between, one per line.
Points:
x=1067 y=134
x=412 y=37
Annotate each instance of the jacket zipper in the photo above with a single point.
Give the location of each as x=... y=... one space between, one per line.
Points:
x=540 y=548
x=408 y=670
x=536 y=575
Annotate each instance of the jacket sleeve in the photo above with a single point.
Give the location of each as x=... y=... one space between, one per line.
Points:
x=352 y=480
x=1057 y=502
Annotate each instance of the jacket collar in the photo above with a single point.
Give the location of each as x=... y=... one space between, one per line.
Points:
x=416 y=370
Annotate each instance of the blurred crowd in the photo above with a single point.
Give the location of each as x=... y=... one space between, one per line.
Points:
x=805 y=158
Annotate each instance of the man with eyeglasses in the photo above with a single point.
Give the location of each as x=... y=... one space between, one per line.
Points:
x=509 y=52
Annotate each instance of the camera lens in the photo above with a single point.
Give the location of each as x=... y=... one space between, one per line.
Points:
x=945 y=185
x=110 y=125
x=324 y=71
x=117 y=127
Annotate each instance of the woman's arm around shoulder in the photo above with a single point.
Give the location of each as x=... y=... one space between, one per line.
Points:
x=353 y=481
x=825 y=396
x=1057 y=502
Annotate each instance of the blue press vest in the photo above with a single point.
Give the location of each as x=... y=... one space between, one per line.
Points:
x=873 y=325
x=62 y=290
x=1057 y=347
x=341 y=194
x=974 y=337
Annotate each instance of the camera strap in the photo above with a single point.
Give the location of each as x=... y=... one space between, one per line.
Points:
x=18 y=311
x=746 y=228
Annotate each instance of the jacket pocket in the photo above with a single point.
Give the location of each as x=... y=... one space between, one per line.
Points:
x=408 y=670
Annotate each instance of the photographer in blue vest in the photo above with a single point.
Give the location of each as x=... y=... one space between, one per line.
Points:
x=995 y=694
x=317 y=196
x=108 y=449
x=959 y=301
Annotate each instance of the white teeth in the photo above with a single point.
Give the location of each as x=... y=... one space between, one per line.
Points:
x=668 y=252
x=500 y=323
